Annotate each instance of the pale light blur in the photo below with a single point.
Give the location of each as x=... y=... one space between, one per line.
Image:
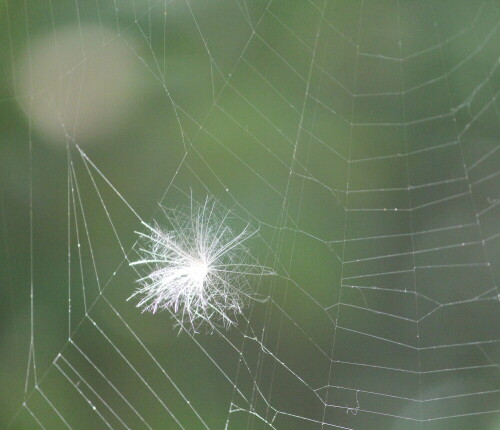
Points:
x=79 y=82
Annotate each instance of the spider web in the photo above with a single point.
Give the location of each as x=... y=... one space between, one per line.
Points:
x=361 y=139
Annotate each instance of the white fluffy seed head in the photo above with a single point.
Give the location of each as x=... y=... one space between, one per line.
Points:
x=197 y=266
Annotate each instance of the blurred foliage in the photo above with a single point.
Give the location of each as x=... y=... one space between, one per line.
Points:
x=206 y=106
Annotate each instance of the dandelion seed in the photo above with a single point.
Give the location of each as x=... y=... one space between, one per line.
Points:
x=197 y=267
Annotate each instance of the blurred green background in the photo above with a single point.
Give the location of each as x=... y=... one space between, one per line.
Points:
x=360 y=137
